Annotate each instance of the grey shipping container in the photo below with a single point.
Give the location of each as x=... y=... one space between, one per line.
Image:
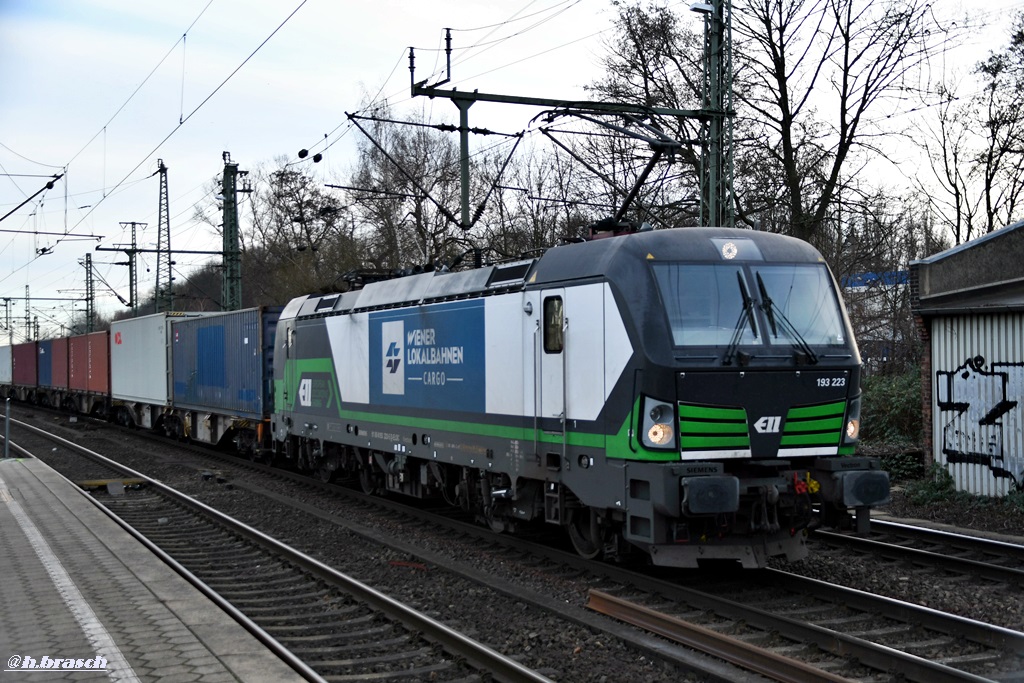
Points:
x=6 y=366
x=223 y=363
x=140 y=358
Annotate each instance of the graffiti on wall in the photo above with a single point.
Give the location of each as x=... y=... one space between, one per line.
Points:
x=983 y=414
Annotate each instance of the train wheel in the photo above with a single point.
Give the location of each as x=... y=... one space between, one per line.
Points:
x=367 y=482
x=584 y=532
x=495 y=522
x=324 y=473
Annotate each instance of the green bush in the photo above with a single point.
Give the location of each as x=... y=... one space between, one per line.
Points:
x=903 y=465
x=937 y=487
x=891 y=410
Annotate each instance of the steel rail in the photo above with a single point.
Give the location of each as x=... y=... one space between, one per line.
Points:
x=989 y=635
x=959 y=540
x=874 y=655
x=500 y=667
x=760 y=660
x=994 y=637
x=926 y=558
x=245 y=622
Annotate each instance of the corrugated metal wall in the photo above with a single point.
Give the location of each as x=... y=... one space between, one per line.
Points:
x=25 y=364
x=978 y=400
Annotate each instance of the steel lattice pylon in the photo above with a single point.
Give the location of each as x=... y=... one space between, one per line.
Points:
x=90 y=296
x=231 y=287
x=163 y=294
x=716 y=205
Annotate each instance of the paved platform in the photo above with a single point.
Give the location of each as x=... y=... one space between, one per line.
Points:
x=75 y=586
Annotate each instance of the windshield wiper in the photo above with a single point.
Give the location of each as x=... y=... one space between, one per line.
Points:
x=770 y=309
x=746 y=316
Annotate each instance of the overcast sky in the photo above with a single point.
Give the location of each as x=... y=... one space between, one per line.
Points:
x=104 y=88
x=67 y=69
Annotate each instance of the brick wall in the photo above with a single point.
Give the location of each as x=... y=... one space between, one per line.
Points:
x=923 y=325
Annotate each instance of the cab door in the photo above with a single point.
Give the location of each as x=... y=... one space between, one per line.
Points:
x=550 y=350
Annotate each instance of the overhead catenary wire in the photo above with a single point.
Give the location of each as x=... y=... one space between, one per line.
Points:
x=181 y=123
x=103 y=131
x=201 y=104
x=402 y=96
x=140 y=86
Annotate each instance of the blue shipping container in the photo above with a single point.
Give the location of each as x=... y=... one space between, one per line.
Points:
x=224 y=363
x=45 y=367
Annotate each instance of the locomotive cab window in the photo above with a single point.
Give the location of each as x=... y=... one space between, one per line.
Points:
x=554 y=329
x=704 y=303
x=802 y=296
x=723 y=304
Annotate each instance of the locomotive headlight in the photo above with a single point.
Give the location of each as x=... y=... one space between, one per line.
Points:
x=660 y=434
x=658 y=425
x=852 y=430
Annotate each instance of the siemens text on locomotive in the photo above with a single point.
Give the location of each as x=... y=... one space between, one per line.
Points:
x=687 y=394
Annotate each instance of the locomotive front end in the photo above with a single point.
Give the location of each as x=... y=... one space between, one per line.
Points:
x=752 y=388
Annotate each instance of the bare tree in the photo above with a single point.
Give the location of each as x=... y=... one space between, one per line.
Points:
x=405 y=194
x=823 y=68
x=538 y=202
x=976 y=145
x=295 y=239
x=882 y=237
x=300 y=238
x=653 y=60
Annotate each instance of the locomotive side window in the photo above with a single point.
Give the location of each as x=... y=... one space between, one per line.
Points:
x=554 y=335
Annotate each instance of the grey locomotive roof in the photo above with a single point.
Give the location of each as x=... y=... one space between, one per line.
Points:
x=578 y=261
x=598 y=257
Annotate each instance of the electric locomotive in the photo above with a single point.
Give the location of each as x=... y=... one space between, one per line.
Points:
x=689 y=394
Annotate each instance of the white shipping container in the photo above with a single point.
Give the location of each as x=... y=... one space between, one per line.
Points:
x=978 y=400
x=140 y=360
x=6 y=368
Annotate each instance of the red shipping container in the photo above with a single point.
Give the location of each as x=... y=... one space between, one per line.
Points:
x=25 y=364
x=89 y=363
x=78 y=363
x=99 y=362
x=59 y=361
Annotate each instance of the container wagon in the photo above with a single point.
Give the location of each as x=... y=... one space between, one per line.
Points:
x=89 y=374
x=25 y=380
x=222 y=377
x=140 y=368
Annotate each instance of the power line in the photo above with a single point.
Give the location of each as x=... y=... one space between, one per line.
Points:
x=198 y=107
x=407 y=98
x=139 y=87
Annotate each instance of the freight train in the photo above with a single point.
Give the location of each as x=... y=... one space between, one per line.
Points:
x=686 y=394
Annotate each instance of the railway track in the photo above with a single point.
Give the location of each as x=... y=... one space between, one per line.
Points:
x=935 y=549
x=326 y=625
x=837 y=632
x=789 y=627
x=842 y=631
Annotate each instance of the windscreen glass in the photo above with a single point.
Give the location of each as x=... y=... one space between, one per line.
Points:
x=803 y=296
x=705 y=304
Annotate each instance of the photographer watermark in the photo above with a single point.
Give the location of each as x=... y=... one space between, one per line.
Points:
x=48 y=663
